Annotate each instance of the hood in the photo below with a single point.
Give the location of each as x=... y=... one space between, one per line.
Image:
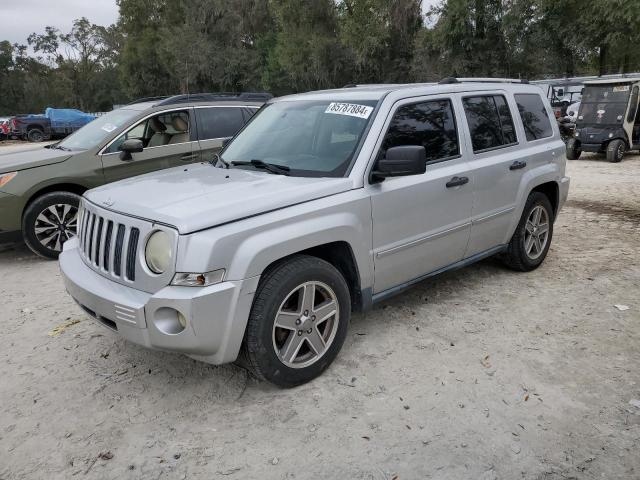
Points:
x=38 y=157
x=202 y=196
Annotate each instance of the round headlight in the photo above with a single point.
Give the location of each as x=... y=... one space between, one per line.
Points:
x=158 y=253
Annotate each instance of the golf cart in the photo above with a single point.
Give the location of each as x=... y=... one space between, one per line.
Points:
x=608 y=120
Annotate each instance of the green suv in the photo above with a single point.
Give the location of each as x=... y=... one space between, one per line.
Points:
x=40 y=189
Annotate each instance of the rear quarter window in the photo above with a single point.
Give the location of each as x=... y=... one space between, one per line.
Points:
x=535 y=118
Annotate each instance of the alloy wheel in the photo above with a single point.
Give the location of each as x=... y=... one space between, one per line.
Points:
x=55 y=225
x=537 y=232
x=306 y=324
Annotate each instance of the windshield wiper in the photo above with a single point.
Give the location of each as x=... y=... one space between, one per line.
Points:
x=58 y=147
x=269 y=167
x=217 y=158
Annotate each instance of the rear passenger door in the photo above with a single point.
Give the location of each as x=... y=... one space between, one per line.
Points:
x=499 y=160
x=217 y=124
x=421 y=223
x=497 y=163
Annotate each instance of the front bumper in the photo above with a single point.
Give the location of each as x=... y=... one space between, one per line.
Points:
x=216 y=315
x=10 y=212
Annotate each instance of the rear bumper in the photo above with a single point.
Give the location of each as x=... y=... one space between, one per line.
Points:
x=216 y=315
x=563 y=191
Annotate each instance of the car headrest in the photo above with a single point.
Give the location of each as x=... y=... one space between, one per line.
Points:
x=156 y=125
x=180 y=124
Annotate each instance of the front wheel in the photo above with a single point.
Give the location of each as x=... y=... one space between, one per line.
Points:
x=573 y=149
x=298 y=321
x=615 y=151
x=49 y=221
x=530 y=242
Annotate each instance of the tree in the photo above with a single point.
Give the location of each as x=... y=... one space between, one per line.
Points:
x=77 y=60
x=306 y=53
x=379 y=38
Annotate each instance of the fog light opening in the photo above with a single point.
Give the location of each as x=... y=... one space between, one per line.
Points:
x=169 y=321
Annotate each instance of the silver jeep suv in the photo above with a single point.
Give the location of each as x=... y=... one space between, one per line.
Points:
x=325 y=203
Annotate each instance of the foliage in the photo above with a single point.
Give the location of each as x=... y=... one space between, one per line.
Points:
x=162 y=47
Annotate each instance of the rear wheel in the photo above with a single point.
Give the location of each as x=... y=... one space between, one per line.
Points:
x=530 y=242
x=573 y=149
x=49 y=221
x=35 y=135
x=298 y=321
x=615 y=150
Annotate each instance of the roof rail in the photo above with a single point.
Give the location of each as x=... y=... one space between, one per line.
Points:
x=146 y=99
x=216 y=97
x=448 y=80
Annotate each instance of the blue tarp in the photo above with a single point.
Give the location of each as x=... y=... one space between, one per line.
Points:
x=67 y=117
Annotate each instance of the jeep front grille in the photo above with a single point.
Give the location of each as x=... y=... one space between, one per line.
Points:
x=112 y=244
x=97 y=244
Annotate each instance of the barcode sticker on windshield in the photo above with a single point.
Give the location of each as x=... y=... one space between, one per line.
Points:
x=351 y=109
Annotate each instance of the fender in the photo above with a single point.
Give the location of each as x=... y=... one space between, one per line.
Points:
x=247 y=247
x=549 y=172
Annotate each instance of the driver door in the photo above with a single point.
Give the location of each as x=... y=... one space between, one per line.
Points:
x=168 y=142
x=421 y=223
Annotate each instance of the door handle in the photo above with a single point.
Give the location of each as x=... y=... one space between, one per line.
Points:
x=457 y=181
x=517 y=165
x=188 y=156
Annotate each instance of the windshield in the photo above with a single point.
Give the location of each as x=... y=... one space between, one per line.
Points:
x=604 y=104
x=311 y=138
x=98 y=130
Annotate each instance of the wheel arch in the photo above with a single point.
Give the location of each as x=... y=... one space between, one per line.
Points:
x=56 y=187
x=552 y=191
x=341 y=256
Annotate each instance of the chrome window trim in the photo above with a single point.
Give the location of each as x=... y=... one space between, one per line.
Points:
x=227 y=106
x=151 y=148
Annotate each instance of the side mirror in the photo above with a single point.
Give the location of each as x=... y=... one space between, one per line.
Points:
x=400 y=162
x=133 y=145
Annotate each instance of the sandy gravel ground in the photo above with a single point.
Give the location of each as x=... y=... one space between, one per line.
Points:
x=479 y=374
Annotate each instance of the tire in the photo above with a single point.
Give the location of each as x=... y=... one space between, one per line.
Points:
x=35 y=135
x=615 y=150
x=573 y=149
x=280 y=290
x=520 y=255
x=48 y=222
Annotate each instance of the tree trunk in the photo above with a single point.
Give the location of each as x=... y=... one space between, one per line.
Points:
x=602 y=59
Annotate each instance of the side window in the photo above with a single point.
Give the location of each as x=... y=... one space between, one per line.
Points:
x=219 y=122
x=430 y=124
x=534 y=116
x=162 y=129
x=508 y=131
x=136 y=132
x=490 y=122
